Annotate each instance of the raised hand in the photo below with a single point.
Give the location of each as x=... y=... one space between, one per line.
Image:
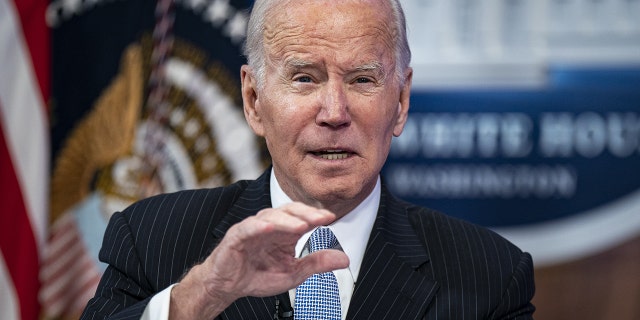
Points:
x=255 y=258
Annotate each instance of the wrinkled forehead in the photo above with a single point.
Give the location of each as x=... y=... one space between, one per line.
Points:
x=341 y=24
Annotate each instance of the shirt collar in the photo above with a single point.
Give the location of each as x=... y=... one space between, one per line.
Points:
x=352 y=230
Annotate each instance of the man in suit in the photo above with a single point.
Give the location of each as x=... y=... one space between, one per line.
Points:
x=327 y=85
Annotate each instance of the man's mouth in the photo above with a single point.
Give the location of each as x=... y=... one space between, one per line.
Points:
x=332 y=154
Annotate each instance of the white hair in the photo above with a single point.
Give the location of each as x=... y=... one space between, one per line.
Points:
x=254 y=43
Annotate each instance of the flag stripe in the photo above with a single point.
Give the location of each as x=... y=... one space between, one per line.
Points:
x=24 y=121
x=16 y=239
x=65 y=300
x=59 y=240
x=61 y=266
x=24 y=153
x=36 y=34
x=68 y=273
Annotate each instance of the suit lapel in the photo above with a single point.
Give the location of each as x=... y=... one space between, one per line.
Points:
x=252 y=199
x=390 y=284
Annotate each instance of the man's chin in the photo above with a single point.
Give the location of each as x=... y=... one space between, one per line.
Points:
x=339 y=199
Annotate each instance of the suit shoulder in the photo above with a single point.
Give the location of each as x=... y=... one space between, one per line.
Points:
x=195 y=200
x=452 y=233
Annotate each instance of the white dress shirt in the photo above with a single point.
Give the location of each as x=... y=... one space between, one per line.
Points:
x=352 y=232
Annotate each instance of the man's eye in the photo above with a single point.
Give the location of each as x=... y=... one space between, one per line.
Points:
x=303 y=79
x=363 y=80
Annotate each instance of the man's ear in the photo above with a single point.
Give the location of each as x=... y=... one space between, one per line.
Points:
x=250 y=101
x=403 y=104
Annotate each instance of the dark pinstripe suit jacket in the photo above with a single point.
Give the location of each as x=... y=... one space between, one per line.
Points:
x=418 y=264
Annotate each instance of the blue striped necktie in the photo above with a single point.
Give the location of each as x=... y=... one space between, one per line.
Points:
x=318 y=297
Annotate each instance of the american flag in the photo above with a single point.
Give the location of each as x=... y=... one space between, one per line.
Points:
x=24 y=154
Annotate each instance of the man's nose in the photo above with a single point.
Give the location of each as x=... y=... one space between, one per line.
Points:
x=334 y=111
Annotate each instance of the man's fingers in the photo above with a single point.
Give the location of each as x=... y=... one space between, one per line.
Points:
x=281 y=226
x=320 y=262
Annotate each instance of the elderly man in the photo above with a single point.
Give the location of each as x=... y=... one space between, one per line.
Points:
x=327 y=85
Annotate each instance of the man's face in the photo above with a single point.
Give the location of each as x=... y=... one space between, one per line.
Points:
x=331 y=101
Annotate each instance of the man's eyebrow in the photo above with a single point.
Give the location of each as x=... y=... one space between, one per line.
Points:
x=376 y=66
x=297 y=63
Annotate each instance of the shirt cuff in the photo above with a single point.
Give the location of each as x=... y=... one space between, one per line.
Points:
x=158 y=306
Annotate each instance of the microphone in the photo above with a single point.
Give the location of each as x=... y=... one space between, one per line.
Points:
x=283 y=309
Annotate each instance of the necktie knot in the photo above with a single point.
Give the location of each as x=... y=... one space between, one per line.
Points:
x=322 y=238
